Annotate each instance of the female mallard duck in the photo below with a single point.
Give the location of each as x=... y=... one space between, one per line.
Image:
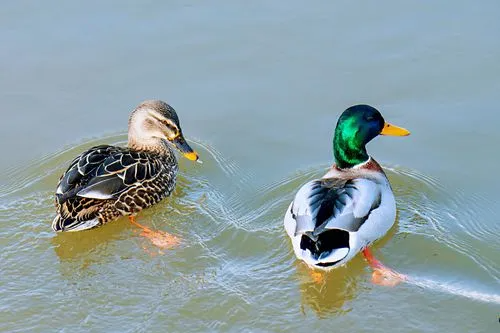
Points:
x=107 y=182
x=333 y=218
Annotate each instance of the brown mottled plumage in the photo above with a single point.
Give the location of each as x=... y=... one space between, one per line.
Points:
x=106 y=182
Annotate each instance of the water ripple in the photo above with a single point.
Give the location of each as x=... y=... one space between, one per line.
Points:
x=234 y=248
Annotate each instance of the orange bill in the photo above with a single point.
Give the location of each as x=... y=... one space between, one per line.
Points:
x=390 y=129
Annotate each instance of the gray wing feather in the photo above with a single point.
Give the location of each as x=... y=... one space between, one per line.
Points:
x=334 y=204
x=304 y=224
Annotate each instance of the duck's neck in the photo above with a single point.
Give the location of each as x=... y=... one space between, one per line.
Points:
x=151 y=145
x=141 y=140
x=348 y=150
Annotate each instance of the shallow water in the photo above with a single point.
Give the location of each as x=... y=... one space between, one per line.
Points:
x=258 y=88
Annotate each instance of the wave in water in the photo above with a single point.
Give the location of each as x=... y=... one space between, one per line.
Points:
x=238 y=223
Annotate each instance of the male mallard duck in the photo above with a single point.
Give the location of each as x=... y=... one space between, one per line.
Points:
x=107 y=182
x=333 y=218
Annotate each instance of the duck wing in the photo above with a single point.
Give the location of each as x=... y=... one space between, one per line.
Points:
x=104 y=172
x=327 y=204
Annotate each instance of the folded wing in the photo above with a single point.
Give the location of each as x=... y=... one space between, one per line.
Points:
x=104 y=172
x=328 y=204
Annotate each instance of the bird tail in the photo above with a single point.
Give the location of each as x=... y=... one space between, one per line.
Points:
x=60 y=224
x=328 y=248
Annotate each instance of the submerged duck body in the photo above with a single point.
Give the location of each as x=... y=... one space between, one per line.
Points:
x=107 y=182
x=333 y=218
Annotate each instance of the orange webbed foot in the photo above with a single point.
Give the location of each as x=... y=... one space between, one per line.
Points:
x=160 y=239
x=382 y=275
x=316 y=276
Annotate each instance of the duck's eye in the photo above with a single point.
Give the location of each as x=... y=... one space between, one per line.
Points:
x=175 y=136
x=370 y=118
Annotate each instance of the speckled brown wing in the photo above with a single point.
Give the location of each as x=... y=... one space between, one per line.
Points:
x=106 y=182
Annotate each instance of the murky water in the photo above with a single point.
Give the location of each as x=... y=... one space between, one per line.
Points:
x=258 y=88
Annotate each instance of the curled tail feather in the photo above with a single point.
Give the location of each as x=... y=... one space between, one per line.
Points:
x=60 y=224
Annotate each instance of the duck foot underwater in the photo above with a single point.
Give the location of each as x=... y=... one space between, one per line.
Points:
x=160 y=239
x=382 y=275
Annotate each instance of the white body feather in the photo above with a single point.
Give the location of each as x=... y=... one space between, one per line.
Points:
x=371 y=199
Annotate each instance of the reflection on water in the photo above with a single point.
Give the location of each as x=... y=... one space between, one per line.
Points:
x=233 y=244
x=333 y=293
x=90 y=244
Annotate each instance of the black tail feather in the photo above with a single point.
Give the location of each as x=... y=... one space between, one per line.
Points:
x=326 y=242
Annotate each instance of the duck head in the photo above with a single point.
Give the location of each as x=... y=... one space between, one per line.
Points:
x=154 y=121
x=357 y=126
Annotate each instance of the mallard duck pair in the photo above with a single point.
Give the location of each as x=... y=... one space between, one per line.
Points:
x=329 y=221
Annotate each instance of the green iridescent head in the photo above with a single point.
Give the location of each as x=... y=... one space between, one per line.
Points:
x=357 y=126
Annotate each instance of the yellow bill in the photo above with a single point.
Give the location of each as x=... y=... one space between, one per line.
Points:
x=186 y=151
x=192 y=156
x=390 y=129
